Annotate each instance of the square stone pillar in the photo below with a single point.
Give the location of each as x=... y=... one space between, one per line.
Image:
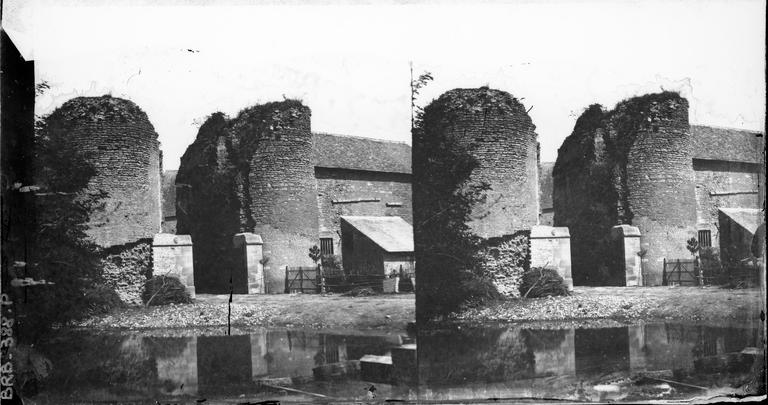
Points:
x=551 y=248
x=627 y=240
x=250 y=247
x=172 y=256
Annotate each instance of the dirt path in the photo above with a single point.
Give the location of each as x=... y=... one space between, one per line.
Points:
x=710 y=304
x=391 y=312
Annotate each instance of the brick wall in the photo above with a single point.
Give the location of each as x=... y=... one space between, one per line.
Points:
x=282 y=193
x=494 y=128
x=722 y=184
x=468 y=139
x=348 y=187
x=122 y=145
x=660 y=183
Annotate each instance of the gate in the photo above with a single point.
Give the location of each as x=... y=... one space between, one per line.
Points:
x=301 y=279
x=679 y=272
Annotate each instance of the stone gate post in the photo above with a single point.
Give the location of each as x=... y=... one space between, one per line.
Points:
x=172 y=256
x=629 y=236
x=250 y=247
x=551 y=248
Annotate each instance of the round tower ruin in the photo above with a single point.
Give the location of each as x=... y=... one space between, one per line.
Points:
x=249 y=174
x=492 y=129
x=121 y=144
x=475 y=183
x=275 y=142
x=660 y=178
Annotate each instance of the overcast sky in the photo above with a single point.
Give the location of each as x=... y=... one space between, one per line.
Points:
x=350 y=63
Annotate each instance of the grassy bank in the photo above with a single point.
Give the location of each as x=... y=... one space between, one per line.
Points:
x=706 y=305
x=283 y=310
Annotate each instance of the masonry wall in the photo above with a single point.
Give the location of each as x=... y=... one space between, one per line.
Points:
x=252 y=173
x=475 y=176
x=351 y=193
x=282 y=193
x=632 y=165
x=721 y=184
x=493 y=127
x=208 y=207
x=122 y=145
x=660 y=181
x=585 y=199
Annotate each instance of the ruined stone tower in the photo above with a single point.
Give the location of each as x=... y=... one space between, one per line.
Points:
x=253 y=173
x=629 y=166
x=281 y=195
x=121 y=144
x=475 y=170
x=493 y=129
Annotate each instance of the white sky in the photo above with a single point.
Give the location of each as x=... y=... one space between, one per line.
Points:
x=349 y=63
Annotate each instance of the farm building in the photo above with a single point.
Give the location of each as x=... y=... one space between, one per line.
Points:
x=377 y=246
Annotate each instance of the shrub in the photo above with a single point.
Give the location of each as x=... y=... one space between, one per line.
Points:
x=474 y=290
x=542 y=282
x=163 y=290
x=102 y=299
x=332 y=265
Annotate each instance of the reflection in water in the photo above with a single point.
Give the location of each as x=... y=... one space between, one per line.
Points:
x=111 y=367
x=503 y=362
x=583 y=364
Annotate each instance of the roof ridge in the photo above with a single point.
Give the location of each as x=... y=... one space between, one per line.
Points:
x=753 y=131
x=360 y=137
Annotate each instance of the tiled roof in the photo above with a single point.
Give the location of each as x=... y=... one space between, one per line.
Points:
x=356 y=153
x=169 y=193
x=392 y=234
x=734 y=145
x=545 y=184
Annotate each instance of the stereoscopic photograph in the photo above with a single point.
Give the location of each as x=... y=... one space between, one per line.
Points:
x=416 y=201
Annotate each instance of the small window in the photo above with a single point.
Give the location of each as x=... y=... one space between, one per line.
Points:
x=705 y=238
x=326 y=246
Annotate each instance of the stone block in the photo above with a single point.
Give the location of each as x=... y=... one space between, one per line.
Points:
x=627 y=240
x=172 y=256
x=551 y=248
x=250 y=248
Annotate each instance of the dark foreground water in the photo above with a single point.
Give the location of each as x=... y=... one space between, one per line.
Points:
x=653 y=361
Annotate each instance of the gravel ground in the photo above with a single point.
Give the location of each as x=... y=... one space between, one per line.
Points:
x=623 y=304
x=390 y=312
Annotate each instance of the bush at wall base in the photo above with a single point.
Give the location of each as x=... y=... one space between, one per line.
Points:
x=163 y=290
x=542 y=282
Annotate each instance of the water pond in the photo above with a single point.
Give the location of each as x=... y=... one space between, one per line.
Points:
x=628 y=363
